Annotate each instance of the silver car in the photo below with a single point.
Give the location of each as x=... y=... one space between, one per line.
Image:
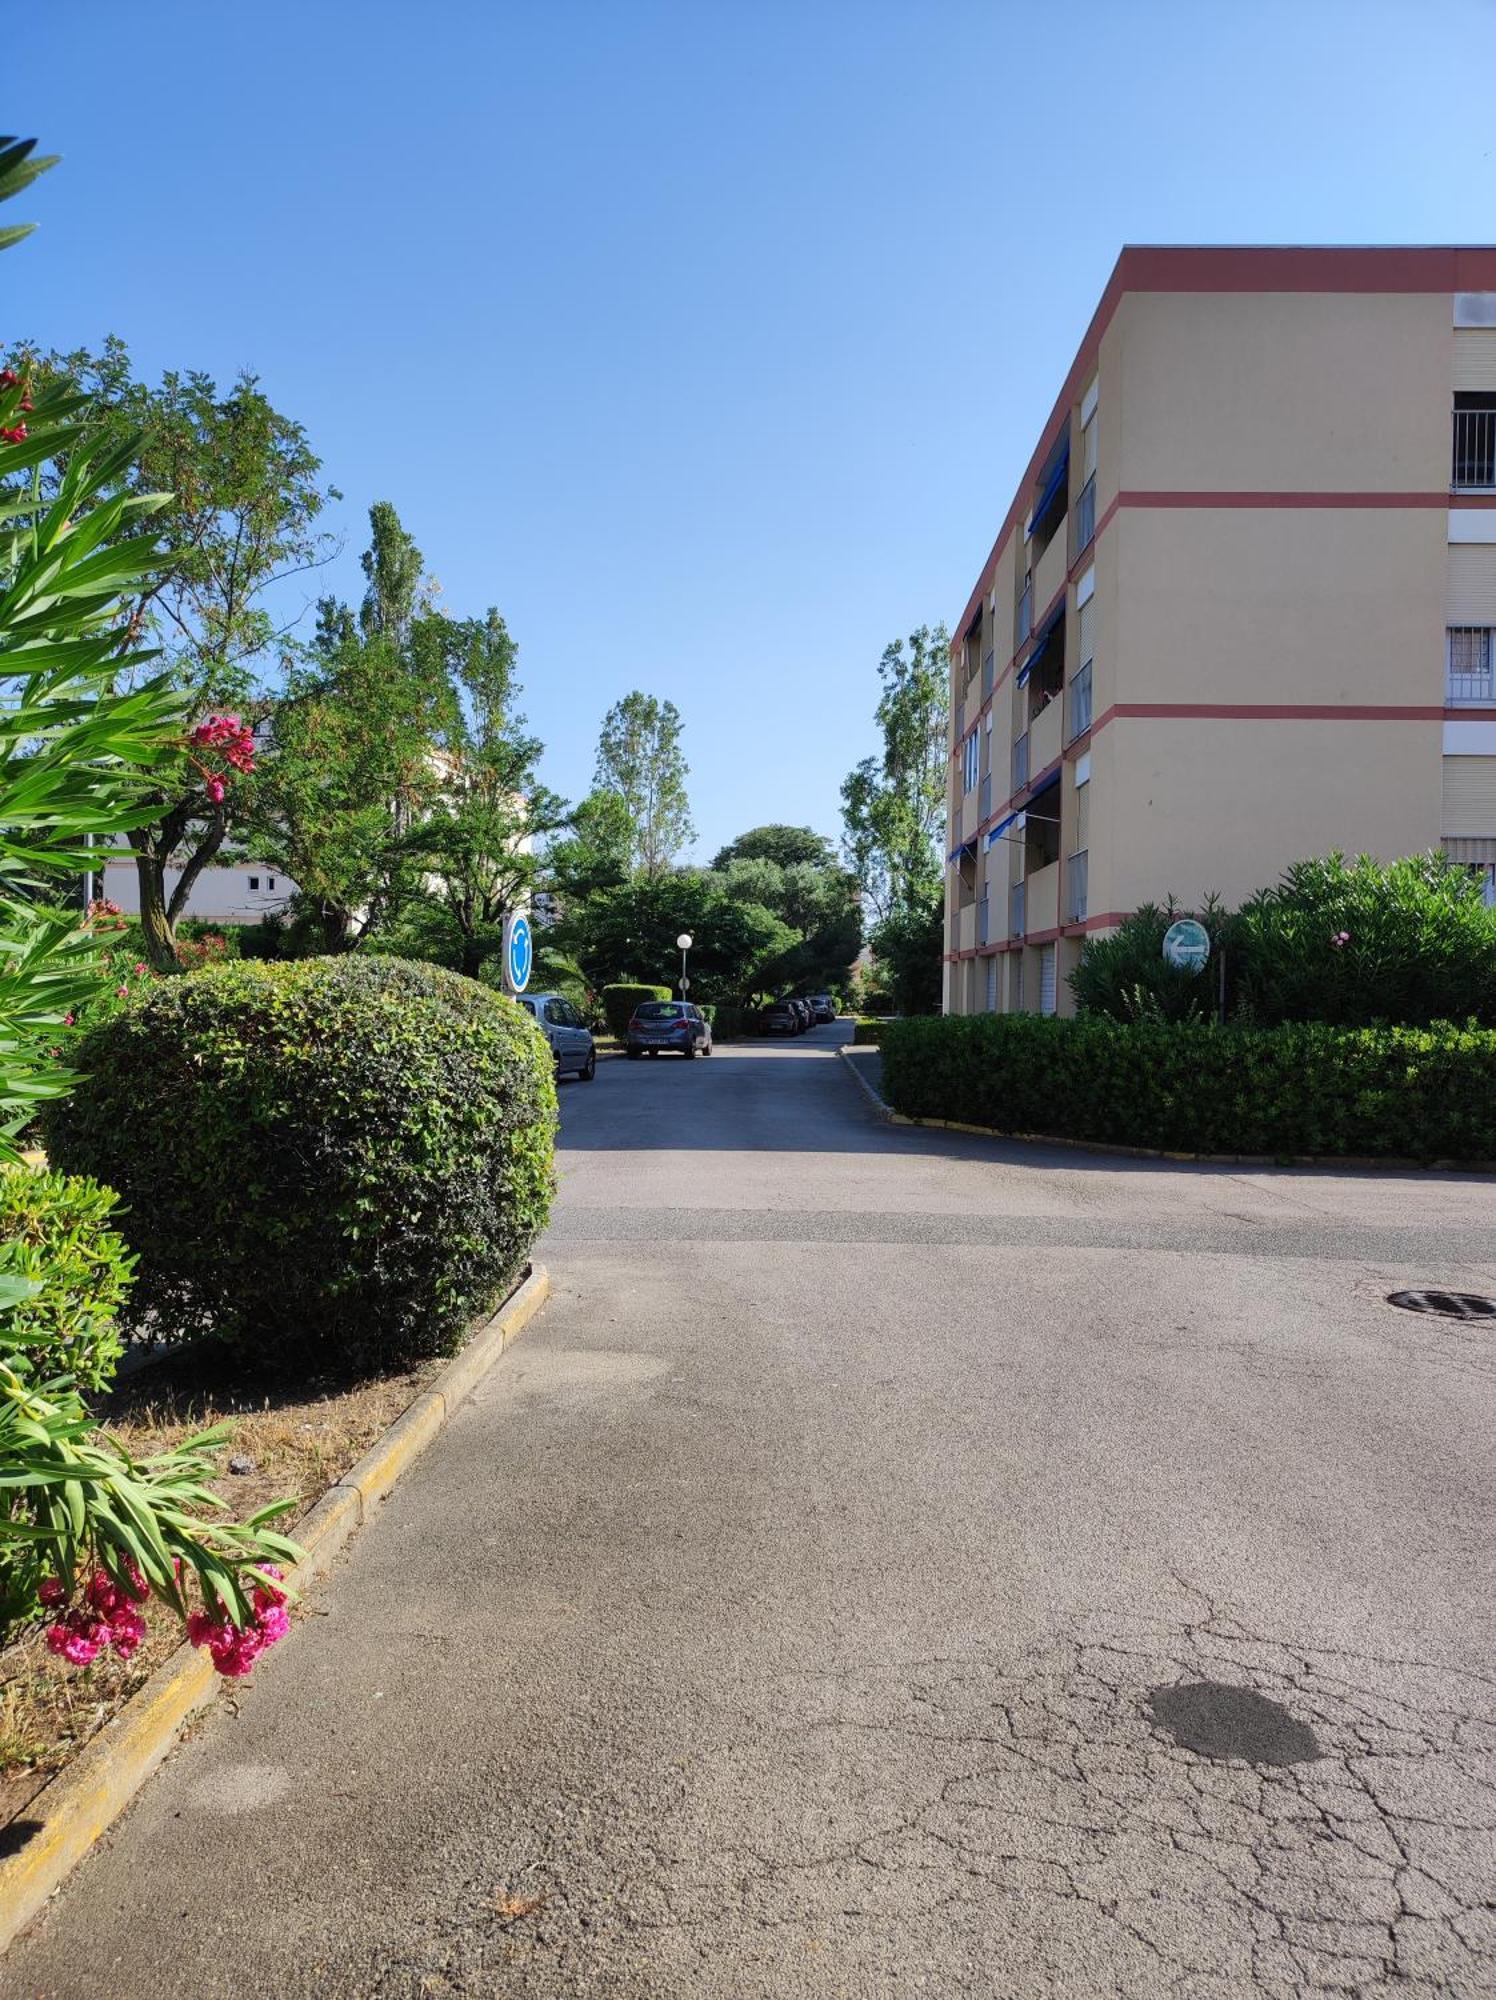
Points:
x=568 y=1034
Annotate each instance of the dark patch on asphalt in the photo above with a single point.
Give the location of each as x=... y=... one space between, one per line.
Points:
x=1219 y=1721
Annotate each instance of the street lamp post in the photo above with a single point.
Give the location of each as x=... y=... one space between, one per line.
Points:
x=683 y=945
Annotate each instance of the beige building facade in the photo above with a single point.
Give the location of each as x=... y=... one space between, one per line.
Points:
x=1242 y=608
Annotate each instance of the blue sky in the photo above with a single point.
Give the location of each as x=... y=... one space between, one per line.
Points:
x=707 y=341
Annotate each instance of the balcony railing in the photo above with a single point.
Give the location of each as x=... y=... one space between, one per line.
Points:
x=984 y=798
x=1078 y=709
x=1016 y=900
x=1471 y=680
x=989 y=672
x=1075 y=888
x=982 y=921
x=1020 y=762
x=1085 y=515
x=1025 y=623
x=1474 y=464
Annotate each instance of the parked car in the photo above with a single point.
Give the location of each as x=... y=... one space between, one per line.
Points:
x=669 y=1027
x=823 y=1006
x=802 y=1008
x=568 y=1034
x=782 y=1018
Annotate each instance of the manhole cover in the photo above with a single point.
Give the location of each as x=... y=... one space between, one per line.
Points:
x=1217 y=1720
x=1452 y=1305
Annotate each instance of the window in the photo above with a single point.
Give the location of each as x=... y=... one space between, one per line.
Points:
x=1470 y=662
x=1048 y=992
x=970 y=752
x=254 y=881
x=1474 y=464
x=991 y=997
x=269 y=881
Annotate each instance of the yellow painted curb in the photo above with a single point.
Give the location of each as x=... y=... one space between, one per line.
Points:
x=68 y=1815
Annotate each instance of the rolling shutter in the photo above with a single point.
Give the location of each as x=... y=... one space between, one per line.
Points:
x=992 y=985
x=1047 y=989
x=1472 y=583
x=1475 y=358
x=1469 y=796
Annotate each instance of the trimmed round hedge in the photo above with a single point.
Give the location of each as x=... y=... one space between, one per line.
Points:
x=335 y=1161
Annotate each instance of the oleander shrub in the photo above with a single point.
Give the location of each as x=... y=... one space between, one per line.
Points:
x=324 y=1162
x=619 y=1003
x=56 y=1235
x=1298 y=1088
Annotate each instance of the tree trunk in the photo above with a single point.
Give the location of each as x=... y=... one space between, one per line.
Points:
x=473 y=956
x=155 y=924
x=336 y=930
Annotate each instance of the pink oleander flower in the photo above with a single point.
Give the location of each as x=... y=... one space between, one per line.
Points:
x=126 y=1631
x=78 y=1638
x=1340 y=938
x=52 y=1591
x=139 y=969
x=68 y=1020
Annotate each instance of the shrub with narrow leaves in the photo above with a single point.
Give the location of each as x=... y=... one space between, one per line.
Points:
x=330 y=1162
x=56 y=1235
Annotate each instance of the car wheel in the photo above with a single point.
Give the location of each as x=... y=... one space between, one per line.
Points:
x=589 y=1071
x=633 y=1054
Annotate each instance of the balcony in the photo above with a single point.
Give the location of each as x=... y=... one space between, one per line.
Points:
x=1016 y=899
x=1024 y=623
x=1473 y=468
x=1021 y=762
x=1471 y=678
x=1042 y=899
x=1078 y=704
x=1075 y=888
x=1044 y=737
x=1049 y=573
x=964 y=931
x=1085 y=517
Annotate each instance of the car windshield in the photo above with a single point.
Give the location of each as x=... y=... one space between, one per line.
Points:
x=658 y=1010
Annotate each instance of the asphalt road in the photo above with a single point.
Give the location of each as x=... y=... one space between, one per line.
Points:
x=893 y=1564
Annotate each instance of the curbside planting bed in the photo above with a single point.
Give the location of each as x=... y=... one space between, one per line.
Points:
x=1301 y=1089
x=62 y=1821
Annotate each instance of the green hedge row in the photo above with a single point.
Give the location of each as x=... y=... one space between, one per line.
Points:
x=1303 y=1087
x=869 y=1028
x=619 y=1003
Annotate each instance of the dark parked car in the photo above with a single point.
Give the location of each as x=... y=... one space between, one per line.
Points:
x=823 y=1006
x=672 y=1026
x=803 y=1009
x=781 y=1019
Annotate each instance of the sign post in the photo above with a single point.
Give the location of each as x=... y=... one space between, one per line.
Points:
x=519 y=953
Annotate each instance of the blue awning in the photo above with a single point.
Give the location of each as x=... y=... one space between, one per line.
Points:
x=1044 y=785
x=996 y=833
x=963 y=847
x=1041 y=641
x=1052 y=485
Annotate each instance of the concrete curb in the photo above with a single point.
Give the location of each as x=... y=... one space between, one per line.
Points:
x=68 y=1815
x=1384 y=1163
x=845 y=1052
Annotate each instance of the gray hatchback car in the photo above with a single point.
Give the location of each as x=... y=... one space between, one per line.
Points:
x=568 y=1034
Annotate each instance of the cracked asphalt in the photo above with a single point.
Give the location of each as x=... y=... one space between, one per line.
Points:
x=894 y=1563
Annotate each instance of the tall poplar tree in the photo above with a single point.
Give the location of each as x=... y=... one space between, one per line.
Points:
x=640 y=759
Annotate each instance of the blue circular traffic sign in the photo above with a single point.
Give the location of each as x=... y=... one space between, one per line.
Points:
x=519 y=953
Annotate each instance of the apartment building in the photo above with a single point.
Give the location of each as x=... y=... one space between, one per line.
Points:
x=1241 y=608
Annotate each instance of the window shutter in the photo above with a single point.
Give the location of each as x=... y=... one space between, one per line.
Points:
x=1469 y=796
x=1046 y=979
x=1475 y=358
x=1472 y=583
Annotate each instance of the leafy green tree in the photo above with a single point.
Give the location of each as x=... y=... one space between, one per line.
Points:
x=244 y=497
x=818 y=904
x=629 y=933
x=474 y=848
x=639 y=757
x=785 y=846
x=353 y=761
x=591 y=852
x=893 y=805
